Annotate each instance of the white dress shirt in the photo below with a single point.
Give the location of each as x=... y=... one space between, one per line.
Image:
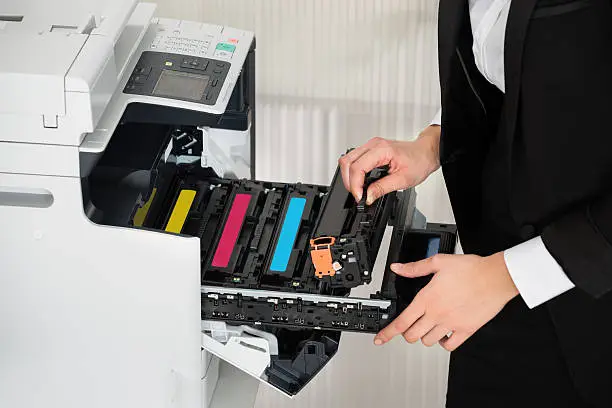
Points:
x=536 y=274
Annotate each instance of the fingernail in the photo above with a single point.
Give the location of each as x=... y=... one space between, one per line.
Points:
x=378 y=342
x=370 y=199
x=395 y=267
x=358 y=197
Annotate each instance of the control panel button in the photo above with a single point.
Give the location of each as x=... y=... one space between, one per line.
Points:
x=223 y=54
x=139 y=79
x=214 y=82
x=168 y=63
x=195 y=63
x=218 y=71
x=142 y=71
x=231 y=48
x=133 y=87
x=176 y=43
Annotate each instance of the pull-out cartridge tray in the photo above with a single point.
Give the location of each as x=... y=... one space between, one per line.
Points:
x=287 y=254
x=280 y=254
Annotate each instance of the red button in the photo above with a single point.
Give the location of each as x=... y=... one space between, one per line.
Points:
x=233 y=40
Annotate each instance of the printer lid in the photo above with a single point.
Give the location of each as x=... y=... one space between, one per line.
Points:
x=35 y=16
x=41 y=42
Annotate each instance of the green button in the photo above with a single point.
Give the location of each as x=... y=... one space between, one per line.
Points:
x=226 y=47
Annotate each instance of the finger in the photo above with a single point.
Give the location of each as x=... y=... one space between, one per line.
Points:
x=353 y=155
x=457 y=339
x=359 y=168
x=406 y=319
x=419 y=329
x=420 y=268
x=346 y=161
x=437 y=334
x=386 y=185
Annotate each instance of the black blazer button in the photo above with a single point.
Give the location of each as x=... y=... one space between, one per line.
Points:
x=528 y=231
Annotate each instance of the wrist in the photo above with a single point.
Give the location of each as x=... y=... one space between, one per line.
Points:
x=506 y=285
x=429 y=141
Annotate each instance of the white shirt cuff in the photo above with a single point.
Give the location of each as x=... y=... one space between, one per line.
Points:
x=437 y=120
x=536 y=274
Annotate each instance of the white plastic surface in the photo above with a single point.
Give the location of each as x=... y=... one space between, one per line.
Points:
x=59 y=49
x=235 y=388
x=227 y=152
x=94 y=316
x=32 y=71
x=223 y=332
x=220 y=331
x=39 y=159
x=250 y=354
x=210 y=377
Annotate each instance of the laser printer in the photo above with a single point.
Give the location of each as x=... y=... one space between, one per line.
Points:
x=143 y=262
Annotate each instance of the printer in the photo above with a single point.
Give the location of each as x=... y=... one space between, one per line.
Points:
x=142 y=262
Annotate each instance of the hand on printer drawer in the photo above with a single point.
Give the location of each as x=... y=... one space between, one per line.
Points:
x=466 y=292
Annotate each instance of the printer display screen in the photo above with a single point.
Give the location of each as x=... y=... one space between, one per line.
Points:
x=183 y=85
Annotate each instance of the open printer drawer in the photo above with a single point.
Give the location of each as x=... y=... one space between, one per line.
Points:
x=279 y=258
x=288 y=255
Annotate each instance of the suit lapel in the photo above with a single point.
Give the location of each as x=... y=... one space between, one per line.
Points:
x=450 y=17
x=452 y=14
x=516 y=32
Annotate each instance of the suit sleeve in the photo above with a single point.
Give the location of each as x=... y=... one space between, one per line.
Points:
x=580 y=241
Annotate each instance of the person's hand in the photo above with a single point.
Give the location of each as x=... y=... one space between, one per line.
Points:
x=410 y=163
x=465 y=293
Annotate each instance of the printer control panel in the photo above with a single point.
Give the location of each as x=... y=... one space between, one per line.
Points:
x=200 y=47
x=175 y=76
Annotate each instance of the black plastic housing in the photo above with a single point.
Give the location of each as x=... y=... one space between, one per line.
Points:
x=329 y=211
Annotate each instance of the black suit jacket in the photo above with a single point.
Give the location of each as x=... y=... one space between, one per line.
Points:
x=538 y=160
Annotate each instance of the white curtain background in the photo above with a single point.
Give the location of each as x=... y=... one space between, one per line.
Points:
x=330 y=75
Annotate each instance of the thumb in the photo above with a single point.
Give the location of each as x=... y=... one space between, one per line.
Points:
x=385 y=185
x=418 y=269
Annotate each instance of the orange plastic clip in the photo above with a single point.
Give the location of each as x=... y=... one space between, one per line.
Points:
x=320 y=252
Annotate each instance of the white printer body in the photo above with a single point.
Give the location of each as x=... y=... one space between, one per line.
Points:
x=95 y=315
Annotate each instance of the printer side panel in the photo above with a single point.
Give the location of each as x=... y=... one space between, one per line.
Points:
x=93 y=316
